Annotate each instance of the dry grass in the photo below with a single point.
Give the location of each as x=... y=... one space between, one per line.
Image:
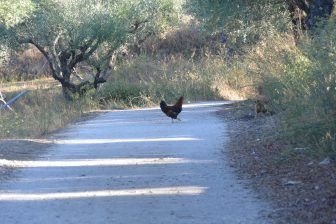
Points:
x=152 y=79
x=40 y=112
x=299 y=80
x=41 y=83
x=27 y=65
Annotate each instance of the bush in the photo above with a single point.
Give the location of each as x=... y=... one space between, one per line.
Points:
x=145 y=80
x=300 y=82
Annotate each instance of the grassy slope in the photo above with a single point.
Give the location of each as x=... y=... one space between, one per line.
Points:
x=39 y=112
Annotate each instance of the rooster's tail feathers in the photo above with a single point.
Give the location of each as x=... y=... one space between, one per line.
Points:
x=180 y=101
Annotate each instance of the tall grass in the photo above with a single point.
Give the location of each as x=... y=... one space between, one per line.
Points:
x=26 y=65
x=300 y=82
x=145 y=80
x=41 y=112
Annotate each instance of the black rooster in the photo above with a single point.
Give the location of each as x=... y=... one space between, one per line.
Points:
x=172 y=111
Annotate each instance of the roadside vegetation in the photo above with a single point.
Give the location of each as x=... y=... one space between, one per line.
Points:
x=288 y=48
x=204 y=50
x=222 y=50
x=40 y=112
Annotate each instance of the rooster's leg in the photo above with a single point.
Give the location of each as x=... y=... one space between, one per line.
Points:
x=172 y=120
x=178 y=119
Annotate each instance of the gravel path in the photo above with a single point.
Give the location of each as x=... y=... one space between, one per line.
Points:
x=133 y=167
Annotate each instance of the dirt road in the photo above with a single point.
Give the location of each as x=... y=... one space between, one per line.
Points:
x=133 y=167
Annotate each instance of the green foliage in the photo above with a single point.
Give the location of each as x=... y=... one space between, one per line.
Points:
x=299 y=81
x=15 y=12
x=77 y=21
x=298 y=76
x=12 y=13
x=124 y=94
x=244 y=22
x=144 y=81
x=214 y=12
x=4 y=53
x=71 y=32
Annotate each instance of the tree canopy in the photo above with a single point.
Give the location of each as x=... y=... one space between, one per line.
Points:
x=69 y=32
x=244 y=21
x=251 y=17
x=14 y=12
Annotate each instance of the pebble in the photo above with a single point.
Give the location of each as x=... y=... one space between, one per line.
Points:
x=292 y=182
x=325 y=162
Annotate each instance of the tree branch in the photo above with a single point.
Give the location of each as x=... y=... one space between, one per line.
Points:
x=54 y=49
x=84 y=54
x=49 y=59
x=137 y=25
x=98 y=79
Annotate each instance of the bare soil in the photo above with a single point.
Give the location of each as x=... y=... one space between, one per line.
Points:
x=135 y=166
x=301 y=189
x=31 y=149
x=22 y=149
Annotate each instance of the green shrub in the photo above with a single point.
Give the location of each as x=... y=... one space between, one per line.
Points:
x=300 y=82
x=143 y=80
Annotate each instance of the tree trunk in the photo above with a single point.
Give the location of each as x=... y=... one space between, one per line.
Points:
x=307 y=13
x=63 y=64
x=70 y=90
x=299 y=10
x=67 y=93
x=319 y=9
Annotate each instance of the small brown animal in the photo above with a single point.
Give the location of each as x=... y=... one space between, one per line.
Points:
x=261 y=102
x=172 y=111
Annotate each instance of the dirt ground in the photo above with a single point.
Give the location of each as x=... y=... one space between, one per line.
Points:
x=31 y=149
x=20 y=150
x=135 y=166
x=301 y=188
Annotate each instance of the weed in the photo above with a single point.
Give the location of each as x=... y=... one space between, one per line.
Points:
x=40 y=112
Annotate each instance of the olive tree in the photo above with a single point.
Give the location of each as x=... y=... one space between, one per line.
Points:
x=244 y=15
x=306 y=14
x=244 y=22
x=12 y=13
x=72 y=32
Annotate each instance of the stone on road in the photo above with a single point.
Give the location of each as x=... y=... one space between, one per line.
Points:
x=133 y=167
